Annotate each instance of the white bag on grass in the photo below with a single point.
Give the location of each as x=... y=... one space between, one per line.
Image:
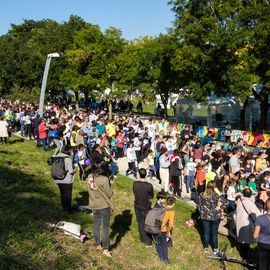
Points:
x=71 y=229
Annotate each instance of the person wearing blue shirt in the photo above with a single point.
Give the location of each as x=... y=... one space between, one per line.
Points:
x=100 y=128
x=208 y=138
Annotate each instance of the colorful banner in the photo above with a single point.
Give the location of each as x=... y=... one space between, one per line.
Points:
x=249 y=138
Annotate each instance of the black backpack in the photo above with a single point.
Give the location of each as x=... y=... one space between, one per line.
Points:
x=58 y=170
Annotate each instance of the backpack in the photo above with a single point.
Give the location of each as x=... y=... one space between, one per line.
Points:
x=154 y=220
x=58 y=170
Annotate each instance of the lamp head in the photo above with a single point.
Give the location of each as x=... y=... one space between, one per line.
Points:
x=53 y=55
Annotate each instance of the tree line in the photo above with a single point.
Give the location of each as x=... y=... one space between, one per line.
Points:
x=214 y=47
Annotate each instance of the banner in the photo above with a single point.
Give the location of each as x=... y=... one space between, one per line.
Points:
x=248 y=137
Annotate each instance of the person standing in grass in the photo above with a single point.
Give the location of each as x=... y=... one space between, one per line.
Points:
x=3 y=130
x=100 y=194
x=209 y=207
x=66 y=185
x=164 y=239
x=143 y=192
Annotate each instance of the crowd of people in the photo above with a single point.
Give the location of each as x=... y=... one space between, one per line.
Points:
x=230 y=180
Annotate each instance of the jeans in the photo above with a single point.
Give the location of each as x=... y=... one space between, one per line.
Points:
x=140 y=216
x=22 y=128
x=190 y=182
x=113 y=168
x=44 y=143
x=231 y=206
x=66 y=195
x=264 y=256
x=162 y=247
x=152 y=171
x=210 y=229
x=102 y=215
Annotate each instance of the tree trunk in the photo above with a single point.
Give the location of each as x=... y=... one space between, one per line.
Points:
x=77 y=99
x=243 y=114
x=110 y=108
x=264 y=111
x=86 y=97
x=164 y=102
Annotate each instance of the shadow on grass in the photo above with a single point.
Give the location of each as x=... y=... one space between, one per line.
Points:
x=120 y=227
x=83 y=199
x=15 y=140
x=26 y=203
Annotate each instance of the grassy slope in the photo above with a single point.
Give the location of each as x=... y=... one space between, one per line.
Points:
x=29 y=199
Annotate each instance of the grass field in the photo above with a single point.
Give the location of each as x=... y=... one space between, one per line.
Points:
x=29 y=198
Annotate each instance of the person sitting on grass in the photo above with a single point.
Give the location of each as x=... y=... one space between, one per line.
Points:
x=164 y=239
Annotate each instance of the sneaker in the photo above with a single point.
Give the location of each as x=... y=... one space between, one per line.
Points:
x=107 y=253
x=167 y=261
x=216 y=252
x=206 y=251
x=99 y=247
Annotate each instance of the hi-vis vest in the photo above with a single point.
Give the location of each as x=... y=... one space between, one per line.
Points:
x=73 y=139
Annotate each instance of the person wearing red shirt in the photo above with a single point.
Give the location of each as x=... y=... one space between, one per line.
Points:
x=43 y=136
x=121 y=139
x=200 y=177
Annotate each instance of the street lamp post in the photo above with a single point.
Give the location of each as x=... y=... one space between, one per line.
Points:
x=44 y=81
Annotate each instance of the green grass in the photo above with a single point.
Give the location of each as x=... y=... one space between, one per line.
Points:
x=29 y=198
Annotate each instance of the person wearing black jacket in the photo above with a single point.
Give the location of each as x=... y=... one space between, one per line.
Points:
x=96 y=154
x=143 y=192
x=176 y=173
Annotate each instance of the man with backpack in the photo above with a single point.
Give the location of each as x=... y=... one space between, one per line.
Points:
x=143 y=192
x=63 y=174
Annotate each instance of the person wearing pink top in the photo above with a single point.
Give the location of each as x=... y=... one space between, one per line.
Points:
x=42 y=134
x=121 y=139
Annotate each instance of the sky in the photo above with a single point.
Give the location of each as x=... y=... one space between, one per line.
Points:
x=135 y=18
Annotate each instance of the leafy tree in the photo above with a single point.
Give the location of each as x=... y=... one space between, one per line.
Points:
x=155 y=72
x=219 y=50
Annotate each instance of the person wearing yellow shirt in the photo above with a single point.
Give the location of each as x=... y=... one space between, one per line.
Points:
x=260 y=162
x=110 y=129
x=163 y=126
x=164 y=238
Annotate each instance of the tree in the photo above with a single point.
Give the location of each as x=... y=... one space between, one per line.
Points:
x=219 y=50
x=93 y=60
x=155 y=71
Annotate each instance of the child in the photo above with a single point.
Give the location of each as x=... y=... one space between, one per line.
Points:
x=161 y=197
x=151 y=162
x=231 y=194
x=114 y=144
x=252 y=185
x=81 y=159
x=120 y=139
x=191 y=170
x=164 y=238
x=131 y=156
x=200 y=177
x=241 y=183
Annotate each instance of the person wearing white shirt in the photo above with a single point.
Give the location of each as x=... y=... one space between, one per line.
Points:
x=131 y=156
x=137 y=146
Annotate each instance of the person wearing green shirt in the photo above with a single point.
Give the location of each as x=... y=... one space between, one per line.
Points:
x=241 y=185
x=252 y=184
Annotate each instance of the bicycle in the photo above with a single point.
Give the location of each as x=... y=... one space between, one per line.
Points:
x=223 y=258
